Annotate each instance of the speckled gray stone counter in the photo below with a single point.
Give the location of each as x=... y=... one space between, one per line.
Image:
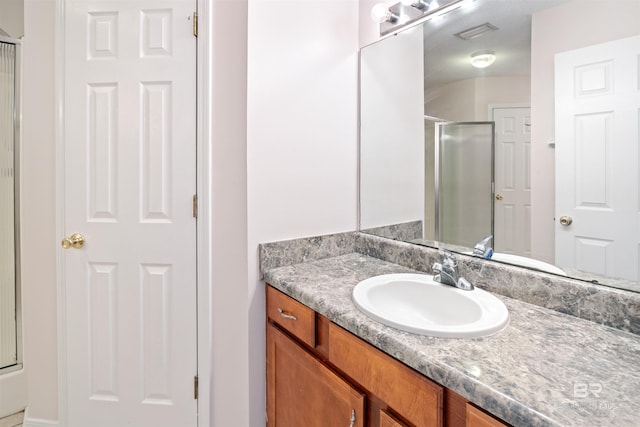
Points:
x=545 y=368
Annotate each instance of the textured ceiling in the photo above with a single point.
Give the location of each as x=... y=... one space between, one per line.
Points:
x=447 y=56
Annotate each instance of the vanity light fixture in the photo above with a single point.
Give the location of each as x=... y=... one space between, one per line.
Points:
x=405 y=13
x=418 y=4
x=483 y=58
x=381 y=13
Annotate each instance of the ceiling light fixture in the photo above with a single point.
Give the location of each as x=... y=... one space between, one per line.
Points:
x=483 y=58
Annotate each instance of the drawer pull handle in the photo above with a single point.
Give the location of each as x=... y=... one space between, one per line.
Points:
x=286 y=315
x=353 y=418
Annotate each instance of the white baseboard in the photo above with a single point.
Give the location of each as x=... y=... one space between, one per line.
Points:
x=35 y=422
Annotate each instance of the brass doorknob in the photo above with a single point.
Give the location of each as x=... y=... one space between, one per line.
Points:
x=565 y=220
x=74 y=241
x=498 y=196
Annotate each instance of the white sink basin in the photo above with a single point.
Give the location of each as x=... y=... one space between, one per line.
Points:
x=416 y=303
x=524 y=261
x=527 y=262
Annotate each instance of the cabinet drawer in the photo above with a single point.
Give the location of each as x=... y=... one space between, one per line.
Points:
x=414 y=397
x=296 y=318
x=477 y=418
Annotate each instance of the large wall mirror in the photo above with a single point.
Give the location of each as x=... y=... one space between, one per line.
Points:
x=534 y=152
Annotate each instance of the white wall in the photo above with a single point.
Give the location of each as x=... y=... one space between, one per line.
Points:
x=570 y=26
x=301 y=138
x=500 y=90
x=392 y=130
x=469 y=100
x=12 y=17
x=229 y=383
x=369 y=30
x=284 y=156
x=39 y=240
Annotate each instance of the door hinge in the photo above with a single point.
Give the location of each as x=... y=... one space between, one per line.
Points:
x=195 y=206
x=195 y=387
x=195 y=24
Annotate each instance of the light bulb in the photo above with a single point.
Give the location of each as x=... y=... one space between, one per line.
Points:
x=434 y=5
x=381 y=13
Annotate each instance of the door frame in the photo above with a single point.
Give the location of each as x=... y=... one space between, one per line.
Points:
x=203 y=236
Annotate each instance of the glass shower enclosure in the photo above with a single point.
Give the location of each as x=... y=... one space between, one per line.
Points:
x=9 y=350
x=464 y=174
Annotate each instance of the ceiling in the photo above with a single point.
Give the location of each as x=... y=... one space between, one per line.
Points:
x=447 y=56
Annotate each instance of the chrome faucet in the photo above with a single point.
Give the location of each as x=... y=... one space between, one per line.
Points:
x=447 y=272
x=481 y=250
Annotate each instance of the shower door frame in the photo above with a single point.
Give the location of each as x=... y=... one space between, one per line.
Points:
x=16 y=208
x=13 y=383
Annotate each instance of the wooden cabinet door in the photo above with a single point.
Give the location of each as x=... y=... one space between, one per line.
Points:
x=411 y=395
x=301 y=391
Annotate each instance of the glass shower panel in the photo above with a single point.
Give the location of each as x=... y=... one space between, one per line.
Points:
x=8 y=338
x=464 y=202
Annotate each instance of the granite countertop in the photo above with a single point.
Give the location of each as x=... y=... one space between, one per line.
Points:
x=545 y=369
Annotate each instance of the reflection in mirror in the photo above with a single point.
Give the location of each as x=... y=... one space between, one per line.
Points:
x=565 y=196
x=464 y=177
x=8 y=196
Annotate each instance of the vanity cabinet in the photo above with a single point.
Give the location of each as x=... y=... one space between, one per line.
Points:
x=319 y=374
x=304 y=392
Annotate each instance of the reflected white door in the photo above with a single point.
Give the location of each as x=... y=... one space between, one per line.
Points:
x=597 y=113
x=130 y=147
x=512 y=204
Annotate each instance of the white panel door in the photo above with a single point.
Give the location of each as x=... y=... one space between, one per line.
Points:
x=512 y=205
x=597 y=112
x=130 y=157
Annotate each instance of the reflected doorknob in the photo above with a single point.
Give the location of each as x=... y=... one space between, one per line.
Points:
x=565 y=220
x=74 y=241
x=498 y=196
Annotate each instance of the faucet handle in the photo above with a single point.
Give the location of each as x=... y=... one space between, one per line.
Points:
x=448 y=258
x=464 y=284
x=482 y=249
x=436 y=268
x=446 y=272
